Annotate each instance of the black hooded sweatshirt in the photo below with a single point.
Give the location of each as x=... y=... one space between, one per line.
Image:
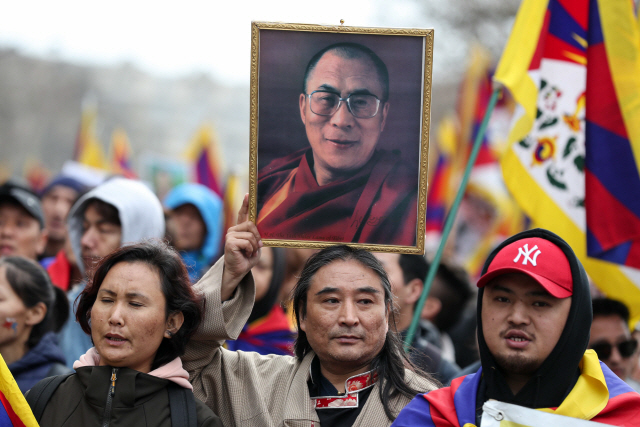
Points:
x=558 y=374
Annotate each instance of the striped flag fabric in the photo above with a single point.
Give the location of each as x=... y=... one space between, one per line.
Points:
x=205 y=154
x=88 y=149
x=573 y=68
x=473 y=98
x=14 y=409
x=233 y=195
x=440 y=194
x=36 y=174
x=487 y=210
x=120 y=154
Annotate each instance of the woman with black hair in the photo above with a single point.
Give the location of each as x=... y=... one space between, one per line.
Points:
x=140 y=311
x=31 y=311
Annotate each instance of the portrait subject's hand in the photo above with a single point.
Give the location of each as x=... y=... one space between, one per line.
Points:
x=241 y=251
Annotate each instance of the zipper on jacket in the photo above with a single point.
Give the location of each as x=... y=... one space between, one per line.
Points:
x=106 y=419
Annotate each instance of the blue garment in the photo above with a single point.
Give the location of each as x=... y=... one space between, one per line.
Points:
x=74 y=342
x=37 y=362
x=195 y=263
x=209 y=205
x=46 y=262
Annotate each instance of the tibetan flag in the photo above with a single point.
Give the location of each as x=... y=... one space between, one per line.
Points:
x=88 y=150
x=573 y=68
x=270 y=334
x=120 y=154
x=233 y=195
x=473 y=98
x=440 y=194
x=204 y=152
x=487 y=204
x=36 y=174
x=14 y=410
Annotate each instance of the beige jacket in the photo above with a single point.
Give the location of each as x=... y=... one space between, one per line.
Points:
x=249 y=389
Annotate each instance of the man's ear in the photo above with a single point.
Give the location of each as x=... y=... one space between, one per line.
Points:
x=415 y=290
x=385 y=111
x=432 y=307
x=303 y=108
x=35 y=314
x=173 y=324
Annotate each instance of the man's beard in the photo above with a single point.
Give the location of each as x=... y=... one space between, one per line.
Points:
x=517 y=364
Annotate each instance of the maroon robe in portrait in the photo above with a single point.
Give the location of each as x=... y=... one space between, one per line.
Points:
x=378 y=205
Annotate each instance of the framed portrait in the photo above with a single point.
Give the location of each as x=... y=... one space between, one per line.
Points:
x=339 y=134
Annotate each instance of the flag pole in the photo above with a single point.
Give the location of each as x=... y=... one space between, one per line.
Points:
x=433 y=268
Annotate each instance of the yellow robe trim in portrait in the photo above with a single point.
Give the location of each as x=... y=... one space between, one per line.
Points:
x=277 y=198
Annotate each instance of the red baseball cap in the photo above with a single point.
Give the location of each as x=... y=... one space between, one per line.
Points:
x=537 y=258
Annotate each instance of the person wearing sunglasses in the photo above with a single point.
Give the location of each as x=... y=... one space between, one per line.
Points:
x=611 y=338
x=343 y=187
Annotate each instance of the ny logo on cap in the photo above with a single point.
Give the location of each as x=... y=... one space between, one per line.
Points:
x=526 y=253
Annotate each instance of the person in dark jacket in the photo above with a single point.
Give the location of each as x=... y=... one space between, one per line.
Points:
x=140 y=311
x=31 y=311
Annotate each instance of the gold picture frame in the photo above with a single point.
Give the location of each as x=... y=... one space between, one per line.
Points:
x=277 y=52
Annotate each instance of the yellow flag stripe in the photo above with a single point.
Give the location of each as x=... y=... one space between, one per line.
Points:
x=622 y=42
x=547 y=214
x=515 y=61
x=14 y=396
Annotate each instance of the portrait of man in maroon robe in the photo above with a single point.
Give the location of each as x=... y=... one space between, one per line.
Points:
x=341 y=187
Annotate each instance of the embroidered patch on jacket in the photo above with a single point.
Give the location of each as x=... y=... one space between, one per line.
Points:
x=353 y=386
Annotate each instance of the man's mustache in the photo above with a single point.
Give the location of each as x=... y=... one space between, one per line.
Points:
x=347 y=332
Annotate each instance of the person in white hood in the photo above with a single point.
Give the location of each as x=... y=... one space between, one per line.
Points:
x=118 y=212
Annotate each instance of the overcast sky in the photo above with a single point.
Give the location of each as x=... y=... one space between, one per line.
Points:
x=174 y=38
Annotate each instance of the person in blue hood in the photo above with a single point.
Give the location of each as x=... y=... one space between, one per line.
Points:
x=194 y=226
x=31 y=311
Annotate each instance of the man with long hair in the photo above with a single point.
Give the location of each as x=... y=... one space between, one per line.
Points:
x=349 y=368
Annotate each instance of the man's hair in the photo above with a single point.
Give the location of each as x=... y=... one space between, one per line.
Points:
x=32 y=285
x=413 y=267
x=454 y=294
x=175 y=286
x=392 y=360
x=107 y=211
x=352 y=51
x=610 y=307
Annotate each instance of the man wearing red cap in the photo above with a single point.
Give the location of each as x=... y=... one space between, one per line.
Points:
x=534 y=315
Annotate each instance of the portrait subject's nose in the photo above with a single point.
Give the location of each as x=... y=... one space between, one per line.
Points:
x=343 y=117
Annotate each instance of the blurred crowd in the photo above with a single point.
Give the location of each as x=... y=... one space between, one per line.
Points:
x=51 y=243
x=68 y=227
